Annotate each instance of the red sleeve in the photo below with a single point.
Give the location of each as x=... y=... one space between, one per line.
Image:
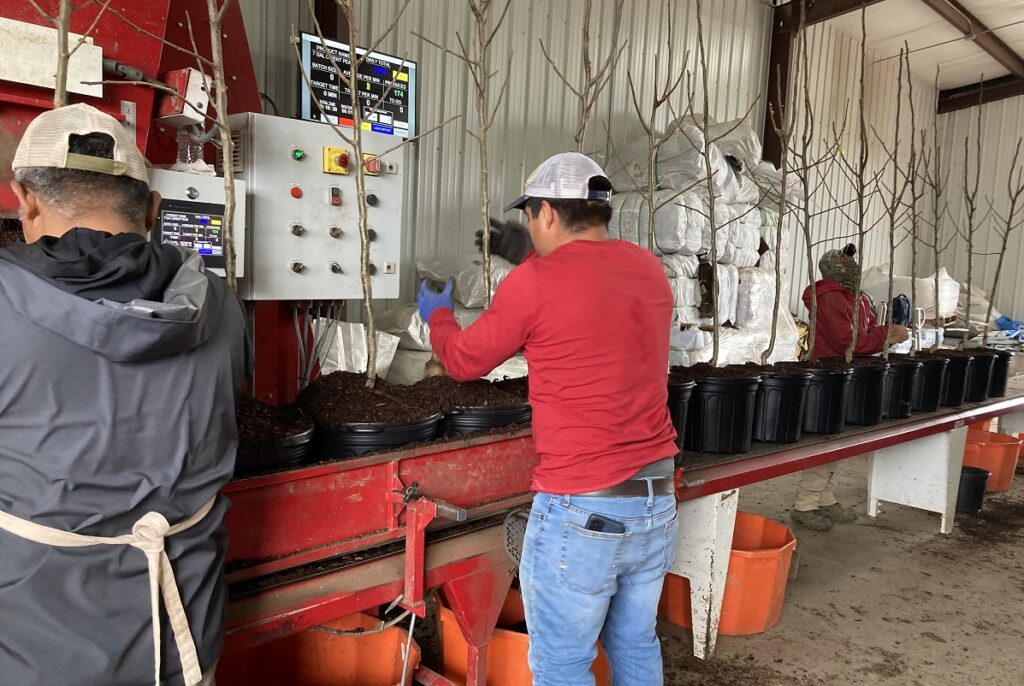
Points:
x=497 y=335
x=835 y=318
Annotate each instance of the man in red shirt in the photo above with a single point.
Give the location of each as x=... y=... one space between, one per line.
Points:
x=816 y=507
x=592 y=318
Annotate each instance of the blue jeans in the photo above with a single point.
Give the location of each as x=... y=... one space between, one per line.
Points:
x=580 y=586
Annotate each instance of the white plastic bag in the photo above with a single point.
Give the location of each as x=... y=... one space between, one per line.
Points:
x=876 y=284
x=737 y=140
x=348 y=353
x=413 y=333
x=680 y=265
x=467 y=270
x=677 y=221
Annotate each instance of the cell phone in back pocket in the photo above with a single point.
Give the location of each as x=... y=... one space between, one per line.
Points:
x=604 y=525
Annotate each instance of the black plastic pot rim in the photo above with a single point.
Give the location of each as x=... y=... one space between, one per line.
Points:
x=826 y=373
x=729 y=381
x=789 y=375
x=488 y=409
x=976 y=471
x=870 y=370
x=297 y=439
x=380 y=427
x=683 y=385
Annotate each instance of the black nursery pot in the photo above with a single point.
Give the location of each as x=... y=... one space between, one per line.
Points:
x=825 y=408
x=957 y=376
x=463 y=421
x=898 y=389
x=352 y=440
x=261 y=456
x=930 y=384
x=971 y=496
x=779 y=406
x=1000 y=374
x=678 y=406
x=980 y=378
x=721 y=415
x=864 y=397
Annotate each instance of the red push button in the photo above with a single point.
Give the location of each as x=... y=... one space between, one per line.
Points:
x=296 y=192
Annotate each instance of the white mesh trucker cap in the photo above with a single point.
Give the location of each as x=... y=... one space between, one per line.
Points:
x=45 y=143
x=565 y=176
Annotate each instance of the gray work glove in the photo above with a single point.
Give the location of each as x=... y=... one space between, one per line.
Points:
x=510 y=240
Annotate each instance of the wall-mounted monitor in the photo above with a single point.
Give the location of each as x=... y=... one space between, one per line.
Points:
x=380 y=77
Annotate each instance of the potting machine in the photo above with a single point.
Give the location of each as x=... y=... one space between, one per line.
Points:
x=321 y=542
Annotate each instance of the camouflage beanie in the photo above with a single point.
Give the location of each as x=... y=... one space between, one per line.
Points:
x=841 y=268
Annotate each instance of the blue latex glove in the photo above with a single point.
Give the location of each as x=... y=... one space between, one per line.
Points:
x=430 y=300
x=1007 y=324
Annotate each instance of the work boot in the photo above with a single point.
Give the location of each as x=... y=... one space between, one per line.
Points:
x=839 y=514
x=811 y=519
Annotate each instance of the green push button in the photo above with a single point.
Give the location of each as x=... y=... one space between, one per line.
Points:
x=298 y=154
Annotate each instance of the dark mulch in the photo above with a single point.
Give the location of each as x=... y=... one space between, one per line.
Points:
x=260 y=423
x=832 y=364
x=343 y=398
x=445 y=393
x=703 y=370
x=519 y=387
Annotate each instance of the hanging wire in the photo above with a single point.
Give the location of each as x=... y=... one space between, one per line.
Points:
x=302 y=349
x=967 y=37
x=381 y=626
x=407 y=649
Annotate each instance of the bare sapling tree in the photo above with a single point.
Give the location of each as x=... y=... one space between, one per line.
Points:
x=62 y=22
x=895 y=194
x=916 y=160
x=971 y=221
x=478 y=60
x=936 y=182
x=860 y=181
x=1008 y=223
x=348 y=76
x=216 y=11
x=594 y=79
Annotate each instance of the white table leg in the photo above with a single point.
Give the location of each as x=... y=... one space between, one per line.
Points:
x=924 y=473
x=1012 y=424
x=702 y=556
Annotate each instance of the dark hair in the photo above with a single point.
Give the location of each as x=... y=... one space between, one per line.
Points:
x=74 y=191
x=577 y=215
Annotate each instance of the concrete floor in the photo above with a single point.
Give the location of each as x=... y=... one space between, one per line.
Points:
x=886 y=601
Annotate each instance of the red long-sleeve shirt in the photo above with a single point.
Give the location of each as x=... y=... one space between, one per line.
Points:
x=835 y=317
x=592 y=319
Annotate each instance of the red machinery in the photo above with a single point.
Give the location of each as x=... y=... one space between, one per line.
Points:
x=324 y=542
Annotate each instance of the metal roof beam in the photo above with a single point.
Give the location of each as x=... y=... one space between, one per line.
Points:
x=966 y=23
x=788 y=16
x=960 y=98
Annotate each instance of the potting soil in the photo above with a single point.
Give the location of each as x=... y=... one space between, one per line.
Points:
x=447 y=393
x=343 y=398
x=519 y=387
x=703 y=370
x=831 y=364
x=259 y=422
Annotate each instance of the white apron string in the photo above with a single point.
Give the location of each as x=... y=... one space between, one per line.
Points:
x=147 y=535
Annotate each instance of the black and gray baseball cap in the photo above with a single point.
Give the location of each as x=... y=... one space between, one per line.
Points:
x=565 y=176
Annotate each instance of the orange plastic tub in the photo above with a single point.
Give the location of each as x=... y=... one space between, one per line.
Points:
x=318 y=658
x=762 y=550
x=994 y=452
x=507 y=651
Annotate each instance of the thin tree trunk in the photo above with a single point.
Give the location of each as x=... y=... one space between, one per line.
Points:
x=60 y=90
x=216 y=14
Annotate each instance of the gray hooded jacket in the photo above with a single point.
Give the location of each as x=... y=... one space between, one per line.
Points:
x=110 y=409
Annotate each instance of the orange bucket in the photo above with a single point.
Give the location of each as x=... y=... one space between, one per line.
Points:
x=762 y=550
x=507 y=663
x=995 y=453
x=317 y=658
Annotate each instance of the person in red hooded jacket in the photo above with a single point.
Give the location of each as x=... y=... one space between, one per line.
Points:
x=816 y=506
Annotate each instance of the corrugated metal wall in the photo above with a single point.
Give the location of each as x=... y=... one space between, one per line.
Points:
x=538 y=117
x=1002 y=123
x=834 y=69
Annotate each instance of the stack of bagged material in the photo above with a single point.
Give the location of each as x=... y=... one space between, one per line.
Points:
x=681 y=271
x=678 y=221
x=769 y=234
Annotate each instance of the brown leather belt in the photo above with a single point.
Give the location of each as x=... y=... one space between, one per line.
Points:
x=633 y=488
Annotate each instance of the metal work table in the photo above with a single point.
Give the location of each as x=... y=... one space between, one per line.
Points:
x=914 y=462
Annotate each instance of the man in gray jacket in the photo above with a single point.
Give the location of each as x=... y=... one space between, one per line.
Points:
x=120 y=364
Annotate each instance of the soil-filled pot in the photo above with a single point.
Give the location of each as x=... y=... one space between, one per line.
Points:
x=721 y=415
x=261 y=456
x=1000 y=374
x=352 y=440
x=898 y=389
x=971 y=495
x=980 y=378
x=678 y=406
x=864 y=397
x=467 y=420
x=957 y=375
x=930 y=384
x=779 y=406
x=825 y=409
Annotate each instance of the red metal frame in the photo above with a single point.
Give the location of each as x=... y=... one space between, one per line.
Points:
x=742 y=472
x=292 y=518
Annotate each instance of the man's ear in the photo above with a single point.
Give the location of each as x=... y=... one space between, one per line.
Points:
x=29 y=210
x=152 y=209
